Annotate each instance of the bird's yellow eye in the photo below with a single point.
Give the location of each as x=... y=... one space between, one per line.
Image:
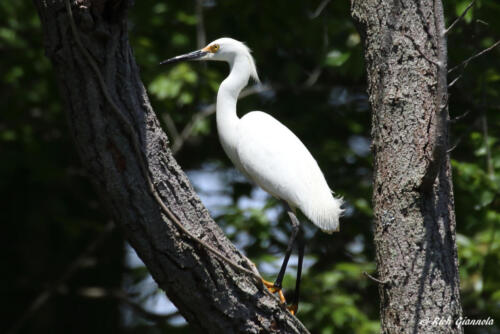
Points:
x=214 y=48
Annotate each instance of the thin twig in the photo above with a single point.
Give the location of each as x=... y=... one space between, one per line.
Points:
x=483 y=22
x=466 y=62
x=462 y=136
x=458 y=118
x=45 y=295
x=454 y=146
x=454 y=81
x=460 y=17
x=318 y=10
x=140 y=155
x=375 y=279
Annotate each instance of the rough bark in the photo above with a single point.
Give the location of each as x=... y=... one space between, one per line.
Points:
x=405 y=54
x=213 y=296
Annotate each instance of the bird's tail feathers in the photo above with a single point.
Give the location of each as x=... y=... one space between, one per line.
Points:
x=325 y=211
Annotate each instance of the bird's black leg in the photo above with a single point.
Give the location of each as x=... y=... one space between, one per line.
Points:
x=276 y=286
x=301 y=243
x=295 y=230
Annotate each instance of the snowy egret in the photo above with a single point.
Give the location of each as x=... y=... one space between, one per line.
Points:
x=269 y=154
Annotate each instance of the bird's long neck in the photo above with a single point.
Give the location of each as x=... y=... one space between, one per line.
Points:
x=227 y=97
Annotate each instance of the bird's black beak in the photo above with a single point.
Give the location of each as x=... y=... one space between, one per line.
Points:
x=188 y=56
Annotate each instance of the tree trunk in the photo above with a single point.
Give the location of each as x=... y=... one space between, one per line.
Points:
x=405 y=53
x=213 y=296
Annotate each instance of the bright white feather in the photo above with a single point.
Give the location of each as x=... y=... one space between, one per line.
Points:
x=277 y=161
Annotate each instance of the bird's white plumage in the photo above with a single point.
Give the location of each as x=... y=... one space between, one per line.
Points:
x=265 y=150
x=277 y=161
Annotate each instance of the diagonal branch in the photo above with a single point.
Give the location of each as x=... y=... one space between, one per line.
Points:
x=464 y=64
x=459 y=117
x=463 y=134
x=479 y=54
x=460 y=17
x=454 y=81
x=139 y=154
x=120 y=142
x=318 y=10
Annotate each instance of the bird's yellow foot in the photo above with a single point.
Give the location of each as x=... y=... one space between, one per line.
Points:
x=293 y=308
x=274 y=289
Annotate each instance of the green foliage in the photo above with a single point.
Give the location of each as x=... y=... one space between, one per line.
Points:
x=173 y=85
x=51 y=213
x=336 y=58
x=477 y=195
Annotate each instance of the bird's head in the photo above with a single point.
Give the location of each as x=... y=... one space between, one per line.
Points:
x=222 y=49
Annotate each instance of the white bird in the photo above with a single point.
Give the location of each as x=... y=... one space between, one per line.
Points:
x=268 y=153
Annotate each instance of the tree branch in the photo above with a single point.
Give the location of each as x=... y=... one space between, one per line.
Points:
x=318 y=10
x=466 y=62
x=454 y=81
x=375 y=279
x=125 y=151
x=463 y=134
x=459 y=117
x=139 y=154
x=479 y=54
x=460 y=17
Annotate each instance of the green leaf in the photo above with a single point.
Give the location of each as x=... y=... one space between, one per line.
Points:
x=201 y=126
x=461 y=6
x=363 y=205
x=186 y=18
x=337 y=58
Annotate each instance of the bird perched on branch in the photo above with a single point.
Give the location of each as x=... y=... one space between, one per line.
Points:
x=269 y=154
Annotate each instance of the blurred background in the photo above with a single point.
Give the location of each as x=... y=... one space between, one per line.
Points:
x=67 y=269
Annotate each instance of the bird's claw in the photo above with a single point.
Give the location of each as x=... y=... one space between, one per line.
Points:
x=274 y=289
x=293 y=308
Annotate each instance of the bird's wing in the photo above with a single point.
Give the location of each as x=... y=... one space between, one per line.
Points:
x=276 y=159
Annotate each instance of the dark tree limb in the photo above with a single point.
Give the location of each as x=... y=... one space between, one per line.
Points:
x=139 y=155
x=405 y=53
x=127 y=156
